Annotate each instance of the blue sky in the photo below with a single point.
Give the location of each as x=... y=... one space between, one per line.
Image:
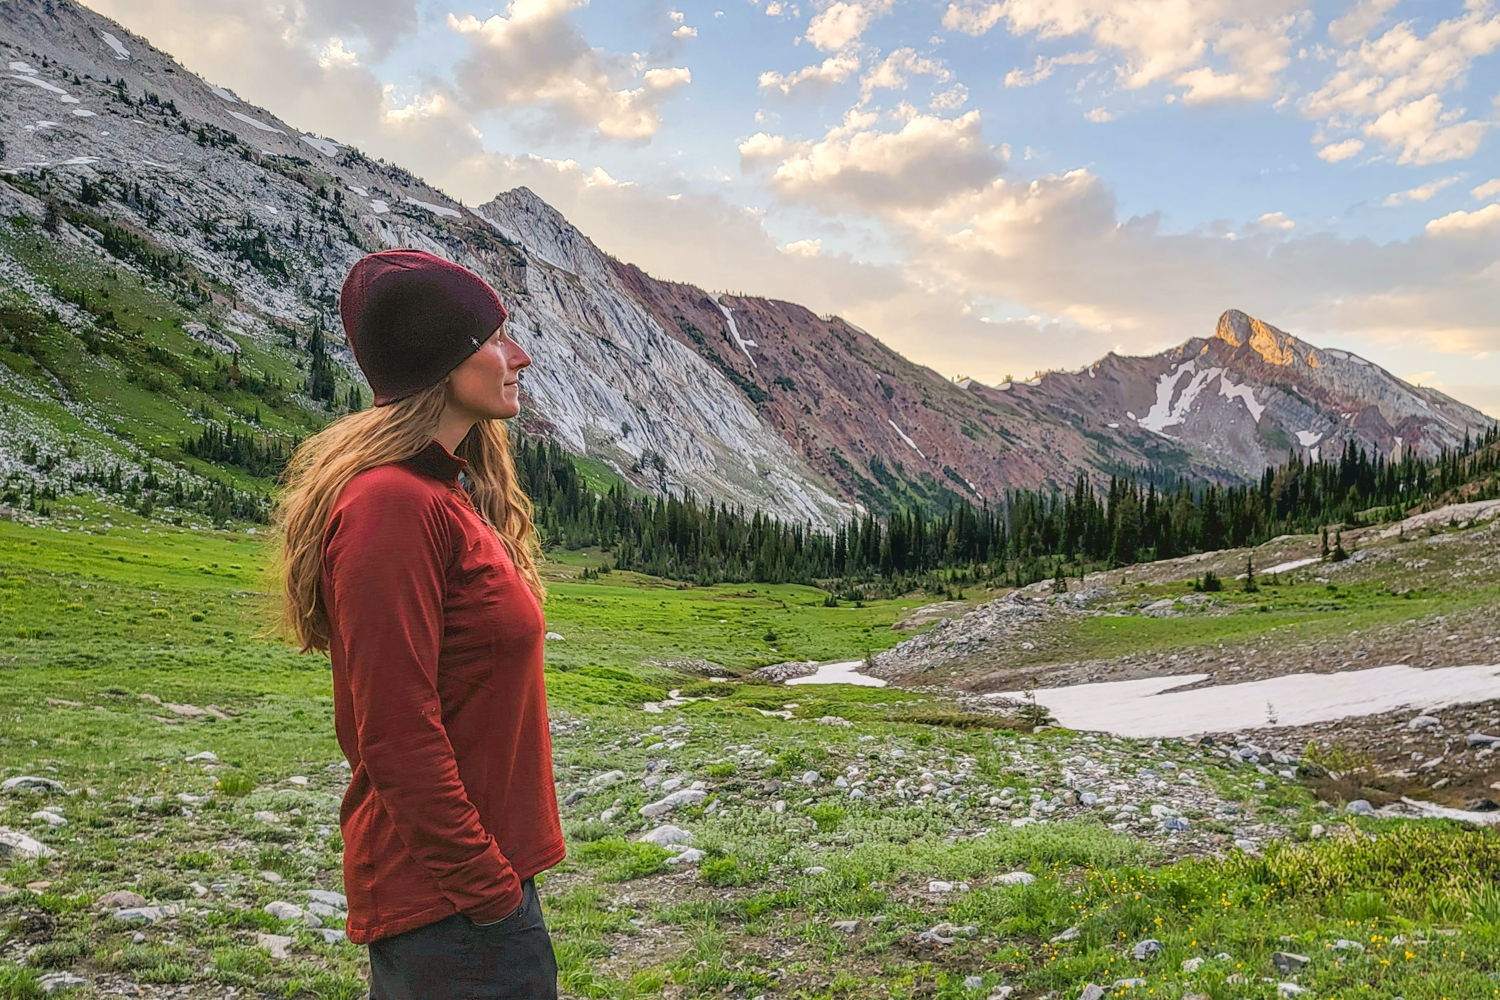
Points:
x=990 y=187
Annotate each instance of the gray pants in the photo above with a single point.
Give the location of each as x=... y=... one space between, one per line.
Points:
x=456 y=959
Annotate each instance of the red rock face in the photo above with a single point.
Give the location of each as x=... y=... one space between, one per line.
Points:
x=857 y=409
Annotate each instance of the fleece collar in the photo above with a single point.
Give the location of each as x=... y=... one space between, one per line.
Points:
x=438 y=462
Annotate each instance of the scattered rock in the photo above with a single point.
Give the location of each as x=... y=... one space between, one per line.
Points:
x=147 y=914
x=1015 y=878
x=681 y=797
x=17 y=845
x=666 y=836
x=120 y=898
x=1146 y=950
x=1287 y=962
x=31 y=783
x=276 y=944
x=1360 y=807
x=56 y=982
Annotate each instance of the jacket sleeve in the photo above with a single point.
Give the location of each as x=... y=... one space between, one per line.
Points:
x=386 y=550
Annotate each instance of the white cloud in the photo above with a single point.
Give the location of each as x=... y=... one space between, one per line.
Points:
x=804 y=248
x=951 y=99
x=685 y=31
x=1393 y=87
x=893 y=71
x=335 y=55
x=1422 y=192
x=1099 y=115
x=1045 y=66
x=1356 y=24
x=841 y=24
x=1214 y=50
x=833 y=70
x=858 y=165
x=973 y=18
x=1425 y=133
x=533 y=56
x=1486 y=190
x=1460 y=222
x=1273 y=222
x=1336 y=152
x=762 y=146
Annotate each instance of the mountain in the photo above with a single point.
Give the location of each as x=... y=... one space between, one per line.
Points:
x=172 y=256
x=1250 y=395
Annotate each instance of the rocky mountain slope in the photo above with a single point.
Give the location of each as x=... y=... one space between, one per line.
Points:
x=233 y=231
x=151 y=163
x=1251 y=395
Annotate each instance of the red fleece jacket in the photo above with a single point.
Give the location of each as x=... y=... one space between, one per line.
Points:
x=439 y=703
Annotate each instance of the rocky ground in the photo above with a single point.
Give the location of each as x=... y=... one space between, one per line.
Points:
x=1023 y=640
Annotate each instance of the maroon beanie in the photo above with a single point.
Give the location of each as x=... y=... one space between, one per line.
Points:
x=411 y=318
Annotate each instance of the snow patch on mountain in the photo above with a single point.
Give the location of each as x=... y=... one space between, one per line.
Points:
x=903 y=436
x=324 y=146
x=49 y=87
x=432 y=207
x=121 y=52
x=1164 y=412
x=1243 y=393
x=734 y=332
x=256 y=124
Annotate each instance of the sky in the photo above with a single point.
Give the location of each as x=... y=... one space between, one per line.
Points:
x=991 y=188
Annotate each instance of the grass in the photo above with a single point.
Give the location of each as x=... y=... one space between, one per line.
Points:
x=94 y=620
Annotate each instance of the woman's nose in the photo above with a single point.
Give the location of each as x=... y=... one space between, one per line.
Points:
x=519 y=358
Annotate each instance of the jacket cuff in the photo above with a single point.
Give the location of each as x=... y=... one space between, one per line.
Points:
x=497 y=909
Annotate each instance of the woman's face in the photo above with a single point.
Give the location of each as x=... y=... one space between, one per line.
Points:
x=487 y=385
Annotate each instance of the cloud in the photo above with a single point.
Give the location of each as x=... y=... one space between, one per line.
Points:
x=951 y=99
x=1422 y=192
x=1486 y=190
x=840 y=25
x=1273 y=222
x=1425 y=133
x=1336 y=152
x=1045 y=66
x=335 y=55
x=1357 y=23
x=533 y=56
x=833 y=70
x=1393 y=87
x=804 y=248
x=973 y=18
x=1461 y=222
x=1213 y=50
x=1099 y=115
x=856 y=164
x=893 y=71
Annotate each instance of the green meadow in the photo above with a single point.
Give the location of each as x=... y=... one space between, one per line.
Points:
x=125 y=651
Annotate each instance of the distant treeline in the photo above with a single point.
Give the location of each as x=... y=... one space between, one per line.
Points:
x=1031 y=535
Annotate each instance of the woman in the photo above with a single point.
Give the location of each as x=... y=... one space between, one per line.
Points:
x=427 y=599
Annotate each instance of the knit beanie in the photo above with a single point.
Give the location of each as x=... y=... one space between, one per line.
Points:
x=411 y=318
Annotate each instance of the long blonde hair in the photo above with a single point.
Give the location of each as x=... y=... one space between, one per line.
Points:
x=322 y=464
